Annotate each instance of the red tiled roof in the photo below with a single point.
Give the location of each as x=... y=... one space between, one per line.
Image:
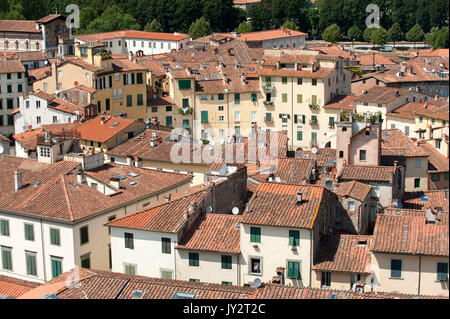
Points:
x=94 y=130
x=410 y=235
x=441 y=216
x=11 y=66
x=438 y=52
x=381 y=94
x=270 y=34
x=14 y=287
x=132 y=34
x=395 y=143
x=319 y=74
x=367 y=173
x=289 y=170
x=40 y=73
x=353 y=189
x=216 y=233
x=275 y=204
x=426 y=199
x=436 y=161
x=342 y=102
x=325 y=157
x=49 y=18
x=163 y=216
x=27 y=26
x=344 y=253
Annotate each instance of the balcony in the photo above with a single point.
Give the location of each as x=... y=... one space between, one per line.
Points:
x=268 y=119
x=313 y=122
x=314 y=107
x=268 y=103
x=268 y=88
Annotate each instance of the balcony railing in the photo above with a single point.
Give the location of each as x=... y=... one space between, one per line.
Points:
x=268 y=88
x=314 y=106
x=268 y=103
x=313 y=122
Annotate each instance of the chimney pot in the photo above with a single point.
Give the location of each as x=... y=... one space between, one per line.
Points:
x=18 y=180
x=114 y=182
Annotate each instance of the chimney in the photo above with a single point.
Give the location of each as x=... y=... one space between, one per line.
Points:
x=299 y=196
x=431 y=218
x=152 y=143
x=168 y=196
x=436 y=97
x=115 y=182
x=17 y=180
x=80 y=178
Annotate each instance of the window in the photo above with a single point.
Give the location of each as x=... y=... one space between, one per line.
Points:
x=227 y=283
x=184 y=84
x=154 y=109
x=326 y=279
x=129 y=100
x=129 y=240
x=38 y=119
x=54 y=237
x=299 y=136
x=86 y=261
x=84 y=235
x=237 y=98
x=438 y=144
x=435 y=177
x=255 y=266
x=237 y=116
x=284 y=97
x=442 y=271
x=417 y=163
x=284 y=80
x=56 y=266
x=9 y=88
x=226 y=262
x=314 y=137
x=268 y=117
x=351 y=206
x=129 y=269
x=107 y=105
x=376 y=192
x=407 y=130
x=193 y=259
x=421 y=119
x=314 y=82
x=237 y=130
x=293 y=270
x=204 y=116
x=362 y=155
x=294 y=238
x=255 y=234
x=30 y=261
x=166 y=274
x=220 y=97
x=140 y=99
x=10 y=104
x=446 y=176
x=380 y=105
x=99 y=107
x=19 y=87
x=254 y=116
x=299 y=81
x=253 y=97
x=396 y=268
x=4 y=227
x=6 y=259
x=194 y=280
x=29 y=232
x=204 y=97
x=416 y=182
x=299 y=98
x=221 y=118
x=165 y=243
x=331 y=121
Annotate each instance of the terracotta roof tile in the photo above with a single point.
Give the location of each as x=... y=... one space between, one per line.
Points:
x=344 y=253
x=11 y=66
x=436 y=161
x=395 y=143
x=342 y=102
x=94 y=130
x=289 y=170
x=367 y=173
x=426 y=199
x=13 y=287
x=28 y=26
x=131 y=34
x=353 y=189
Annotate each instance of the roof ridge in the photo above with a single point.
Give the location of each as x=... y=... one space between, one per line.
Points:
x=66 y=196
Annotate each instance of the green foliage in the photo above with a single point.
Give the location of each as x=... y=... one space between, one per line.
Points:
x=200 y=28
x=291 y=25
x=154 y=26
x=442 y=39
x=332 y=34
x=416 y=34
x=244 y=27
x=379 y=37
x=354 y=34
x=395 y=33
x=112 y=19
x=430 y=37
x=367 y=35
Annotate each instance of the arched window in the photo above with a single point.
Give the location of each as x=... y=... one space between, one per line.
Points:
x=17 y=45
x=37 y=46
x=6 y=44
x=27 y=45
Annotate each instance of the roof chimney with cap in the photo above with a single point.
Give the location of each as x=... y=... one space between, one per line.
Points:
x=299 y=196
x=18 y=180
x=115 y=182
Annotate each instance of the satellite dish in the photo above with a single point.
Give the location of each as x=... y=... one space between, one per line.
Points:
x=235 y=210
x=209 y=209
x=314 y=150
x=277 y=179
x=256 y=283
x=1 y=149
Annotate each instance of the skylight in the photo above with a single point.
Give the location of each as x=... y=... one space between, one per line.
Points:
x=133 y=174
x=183 y=295
x=120 y=177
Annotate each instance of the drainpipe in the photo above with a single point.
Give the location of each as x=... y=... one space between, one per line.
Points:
x=420 y=274
x=292 y=112
x=310 y=256
x=43 y=251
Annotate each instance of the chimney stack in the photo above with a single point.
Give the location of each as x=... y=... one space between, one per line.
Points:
x=80 y=178
x=115 y=182
x=18 y=180
x=168 y=196
x=299 y=196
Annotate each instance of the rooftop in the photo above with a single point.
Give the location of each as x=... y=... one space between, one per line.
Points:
x=368 y=173
x=133 y=34
x=426 y=199
x=436 y=161
x=353 y=189
x=395 y=143
x=12 y=287
x=103 y=128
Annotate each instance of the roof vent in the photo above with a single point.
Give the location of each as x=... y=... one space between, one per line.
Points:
x=299 y=196
x=431 y=218
x=362 y=242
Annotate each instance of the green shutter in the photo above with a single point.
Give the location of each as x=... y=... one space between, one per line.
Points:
x=299 y=136
x=255 y=234
x=56 y=268
x=442 y=271
x=4 y=227
x=227 y=283
x=303 y=119
x=129 y=100
x=184 y=84
x=314 y=137
x=54 y=237
x=284 y=97
x=396 y=268
x=294 y=238
x=221 y=97
x=417 y=183
x=204 y=116
x=165 y=242
x=29 y=232
x=124 y=79
x=168 y=120
x=226 y=262
x=193 y=259
x=6 y=259
x=139 y=79
x=140 y=99
x=293 y=270
x=314 y=99
x=31 y=264
x=254 y=98
x=237 y=98
x=107 y=105
x=299 y=98
x=186 y=124
x=132 y=78
x=331 y=121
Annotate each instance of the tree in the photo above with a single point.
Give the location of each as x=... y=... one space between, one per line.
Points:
x=87 y=15
x=367 y=35
x=416 y=34
x=379 y=37
x=430 y=37
x=112 y=19
x=244 y=27
x=442 y=39
x=199 y=28
x=332 y=34
x=260 y=16
x=395 y=33
x=154 y=26
x=291 y=25
x=354 y=34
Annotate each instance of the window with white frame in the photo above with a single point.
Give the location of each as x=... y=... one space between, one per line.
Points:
x=44 y=152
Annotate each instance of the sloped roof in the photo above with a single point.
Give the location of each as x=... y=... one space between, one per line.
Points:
x=14 y=287
x=367 y=173
x=436 y=161
x=395 y=143
x=94 y=130
x=353 y=189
